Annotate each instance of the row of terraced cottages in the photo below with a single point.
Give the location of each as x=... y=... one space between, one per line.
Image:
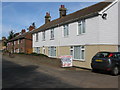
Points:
x=81 y=34
x=22 y=42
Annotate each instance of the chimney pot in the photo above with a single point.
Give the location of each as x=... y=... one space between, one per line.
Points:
x=62 y=11
x=62 y=6
x=47 y=17
x=31 y=28
x=47 y=14
x=23 y=31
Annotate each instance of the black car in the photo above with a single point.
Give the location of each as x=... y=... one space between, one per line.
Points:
x=108 y=61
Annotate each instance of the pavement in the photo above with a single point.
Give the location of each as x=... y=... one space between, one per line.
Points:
x=20 y=73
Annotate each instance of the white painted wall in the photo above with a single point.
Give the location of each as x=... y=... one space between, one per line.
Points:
x=108 y=29
x=119 y=23
x=90 y=37
x=98 y=31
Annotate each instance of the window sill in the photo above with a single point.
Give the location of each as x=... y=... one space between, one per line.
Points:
x=81 y=34
x=80 y=60
x=52 y=56
x=52 y=39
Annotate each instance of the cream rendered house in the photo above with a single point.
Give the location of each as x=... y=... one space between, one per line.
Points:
x=81 y=34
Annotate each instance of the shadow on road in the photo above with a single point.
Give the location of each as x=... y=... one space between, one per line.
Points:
x=16 y=76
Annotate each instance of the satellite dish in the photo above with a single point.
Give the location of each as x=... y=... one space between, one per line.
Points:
x=104 y=15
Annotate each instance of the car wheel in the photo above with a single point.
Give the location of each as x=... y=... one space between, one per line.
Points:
x=115 y=71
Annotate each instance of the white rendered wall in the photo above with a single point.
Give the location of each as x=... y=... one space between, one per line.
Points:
x=119 y=23
x=108 y=29
x=98 y=31
x=90 y=37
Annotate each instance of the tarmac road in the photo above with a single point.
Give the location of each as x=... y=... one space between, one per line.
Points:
x=25 y=74
x=16 y=76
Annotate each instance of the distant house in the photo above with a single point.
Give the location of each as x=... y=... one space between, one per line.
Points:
x=22 y=43
x=2 y=43
x=81 y=34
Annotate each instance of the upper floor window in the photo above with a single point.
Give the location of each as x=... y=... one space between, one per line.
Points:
x=81 y=27
x=66 y=30
x=43 y=36
x=52 y=34
x=36 y=37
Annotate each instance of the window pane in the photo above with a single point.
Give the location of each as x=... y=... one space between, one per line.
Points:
x=79 y=28
x=43 y=36
x=82 y=54
x=36 y=37
x=83 y=26
x=77 y=52
x=52 y=33
x=52 y=51
x=118 y=48
x=66 y=30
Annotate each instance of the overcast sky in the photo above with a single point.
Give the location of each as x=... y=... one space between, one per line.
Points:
x=19 y=15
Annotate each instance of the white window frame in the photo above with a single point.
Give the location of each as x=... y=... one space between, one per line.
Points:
x=52 y=34
x=66 y=30
x=81 y=49
x=36 y=36
x=118 y=48
x=38 y=50
x=81 y=27
x=50 y=52
x=43 y=35
x=43 y=51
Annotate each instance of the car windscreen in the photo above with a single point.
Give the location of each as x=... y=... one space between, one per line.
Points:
x=103 y=55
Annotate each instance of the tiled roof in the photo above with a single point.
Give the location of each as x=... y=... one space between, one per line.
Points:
x=83 y=13
x=20 y=36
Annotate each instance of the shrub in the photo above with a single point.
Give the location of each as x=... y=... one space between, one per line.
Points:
x=21 y=53
x=36 y=54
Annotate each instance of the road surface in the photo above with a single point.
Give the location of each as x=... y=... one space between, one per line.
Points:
x=24 y=74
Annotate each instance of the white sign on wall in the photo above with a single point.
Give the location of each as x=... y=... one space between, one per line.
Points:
x=66 y=61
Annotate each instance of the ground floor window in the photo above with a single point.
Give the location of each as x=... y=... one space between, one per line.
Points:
x=118 y=48
x=52 y=51
x=43 y=51
x=37 y=50
x=78 y=52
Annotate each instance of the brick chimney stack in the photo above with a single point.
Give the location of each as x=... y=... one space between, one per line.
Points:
x=23 y=31
x=62 y=11
x=31 y=28
x=47 y=17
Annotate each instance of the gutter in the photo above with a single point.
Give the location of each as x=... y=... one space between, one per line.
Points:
x=109 y=6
